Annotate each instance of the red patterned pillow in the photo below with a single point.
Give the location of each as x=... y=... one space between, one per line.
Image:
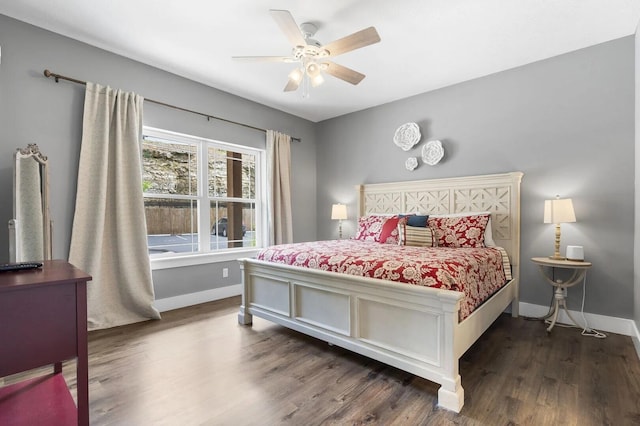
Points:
x=369 y=227
x=381 y=229
x=462 y=231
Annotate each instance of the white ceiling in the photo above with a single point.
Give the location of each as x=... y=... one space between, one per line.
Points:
x=426 y=44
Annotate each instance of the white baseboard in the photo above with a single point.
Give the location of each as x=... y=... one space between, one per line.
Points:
x=636 y=338
x=598 y=322
x=184 y=300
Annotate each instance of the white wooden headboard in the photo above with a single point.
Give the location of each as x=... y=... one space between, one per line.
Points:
x=498 y=194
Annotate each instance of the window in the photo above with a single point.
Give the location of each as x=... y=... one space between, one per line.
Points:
x=200 y=195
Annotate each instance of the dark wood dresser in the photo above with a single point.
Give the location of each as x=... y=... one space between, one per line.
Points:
x=43 y=321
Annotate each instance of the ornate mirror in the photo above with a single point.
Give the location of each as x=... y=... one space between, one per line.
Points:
x=30 y=228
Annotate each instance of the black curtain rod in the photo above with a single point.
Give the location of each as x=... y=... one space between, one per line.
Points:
x=59 y=77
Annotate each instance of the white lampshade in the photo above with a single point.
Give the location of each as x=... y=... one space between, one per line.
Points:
x=559 y=211
x=339 y=212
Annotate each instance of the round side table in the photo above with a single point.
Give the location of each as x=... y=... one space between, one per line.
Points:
x=579 y=269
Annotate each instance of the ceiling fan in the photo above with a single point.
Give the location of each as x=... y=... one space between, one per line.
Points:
x=313 y=58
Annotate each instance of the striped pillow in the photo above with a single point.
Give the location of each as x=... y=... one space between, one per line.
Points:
x=506 y=264
x=417 y=236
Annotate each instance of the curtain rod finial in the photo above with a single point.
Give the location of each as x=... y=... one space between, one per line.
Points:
x=49 y=74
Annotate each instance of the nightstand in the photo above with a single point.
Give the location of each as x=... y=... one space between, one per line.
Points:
x=579 y=270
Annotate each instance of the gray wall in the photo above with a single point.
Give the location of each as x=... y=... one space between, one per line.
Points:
x=34 y=109
x=566 y=122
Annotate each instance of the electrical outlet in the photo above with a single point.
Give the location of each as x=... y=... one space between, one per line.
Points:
x=225 y=272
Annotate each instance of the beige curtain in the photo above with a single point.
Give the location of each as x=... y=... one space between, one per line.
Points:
x=279 y=188
x=109 y=231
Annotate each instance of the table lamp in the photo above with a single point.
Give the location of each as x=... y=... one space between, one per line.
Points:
x=339 y=213
x=558 y=211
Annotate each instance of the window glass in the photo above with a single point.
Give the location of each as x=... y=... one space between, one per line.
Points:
x=234 y=223
x=169 y=168
x=200 y=195
x=171 y=225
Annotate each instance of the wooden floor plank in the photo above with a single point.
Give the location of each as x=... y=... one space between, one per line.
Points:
x=197 y=366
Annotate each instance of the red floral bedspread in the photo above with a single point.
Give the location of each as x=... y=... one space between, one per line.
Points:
x=476 y=272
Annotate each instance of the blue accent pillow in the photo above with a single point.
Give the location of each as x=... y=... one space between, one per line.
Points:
x=416 y=220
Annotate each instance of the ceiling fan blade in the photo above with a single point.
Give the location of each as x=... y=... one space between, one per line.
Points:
x=343 y=73
x=354 y=41
x=288 y=25
x=292 y=85
x=286 y=59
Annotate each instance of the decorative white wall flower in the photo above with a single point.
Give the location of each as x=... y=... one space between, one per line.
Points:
x=407 y=136
x=411 y=163
x=432 y=152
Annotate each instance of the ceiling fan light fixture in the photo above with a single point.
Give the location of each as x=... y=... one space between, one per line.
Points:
x=313 y=69
x=296 y=75
x=317 y=80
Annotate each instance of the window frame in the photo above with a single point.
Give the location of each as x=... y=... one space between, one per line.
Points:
x=173 y=260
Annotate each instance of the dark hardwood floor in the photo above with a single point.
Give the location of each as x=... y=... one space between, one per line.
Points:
x=197 y=366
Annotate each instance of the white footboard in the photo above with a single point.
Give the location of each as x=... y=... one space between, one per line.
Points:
x=409 y=327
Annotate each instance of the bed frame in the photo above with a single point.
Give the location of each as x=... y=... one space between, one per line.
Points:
x=410 y=327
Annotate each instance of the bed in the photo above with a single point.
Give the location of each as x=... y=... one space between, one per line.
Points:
x=415 y=328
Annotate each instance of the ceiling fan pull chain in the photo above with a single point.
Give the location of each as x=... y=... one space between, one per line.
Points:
x=305 y=86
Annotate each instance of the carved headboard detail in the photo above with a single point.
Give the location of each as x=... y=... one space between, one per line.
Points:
x=497 y=193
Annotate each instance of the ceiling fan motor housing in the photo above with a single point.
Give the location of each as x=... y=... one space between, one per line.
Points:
x=309 y=51
x=308 y=29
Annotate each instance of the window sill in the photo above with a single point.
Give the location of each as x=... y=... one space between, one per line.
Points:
x=200 y=258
